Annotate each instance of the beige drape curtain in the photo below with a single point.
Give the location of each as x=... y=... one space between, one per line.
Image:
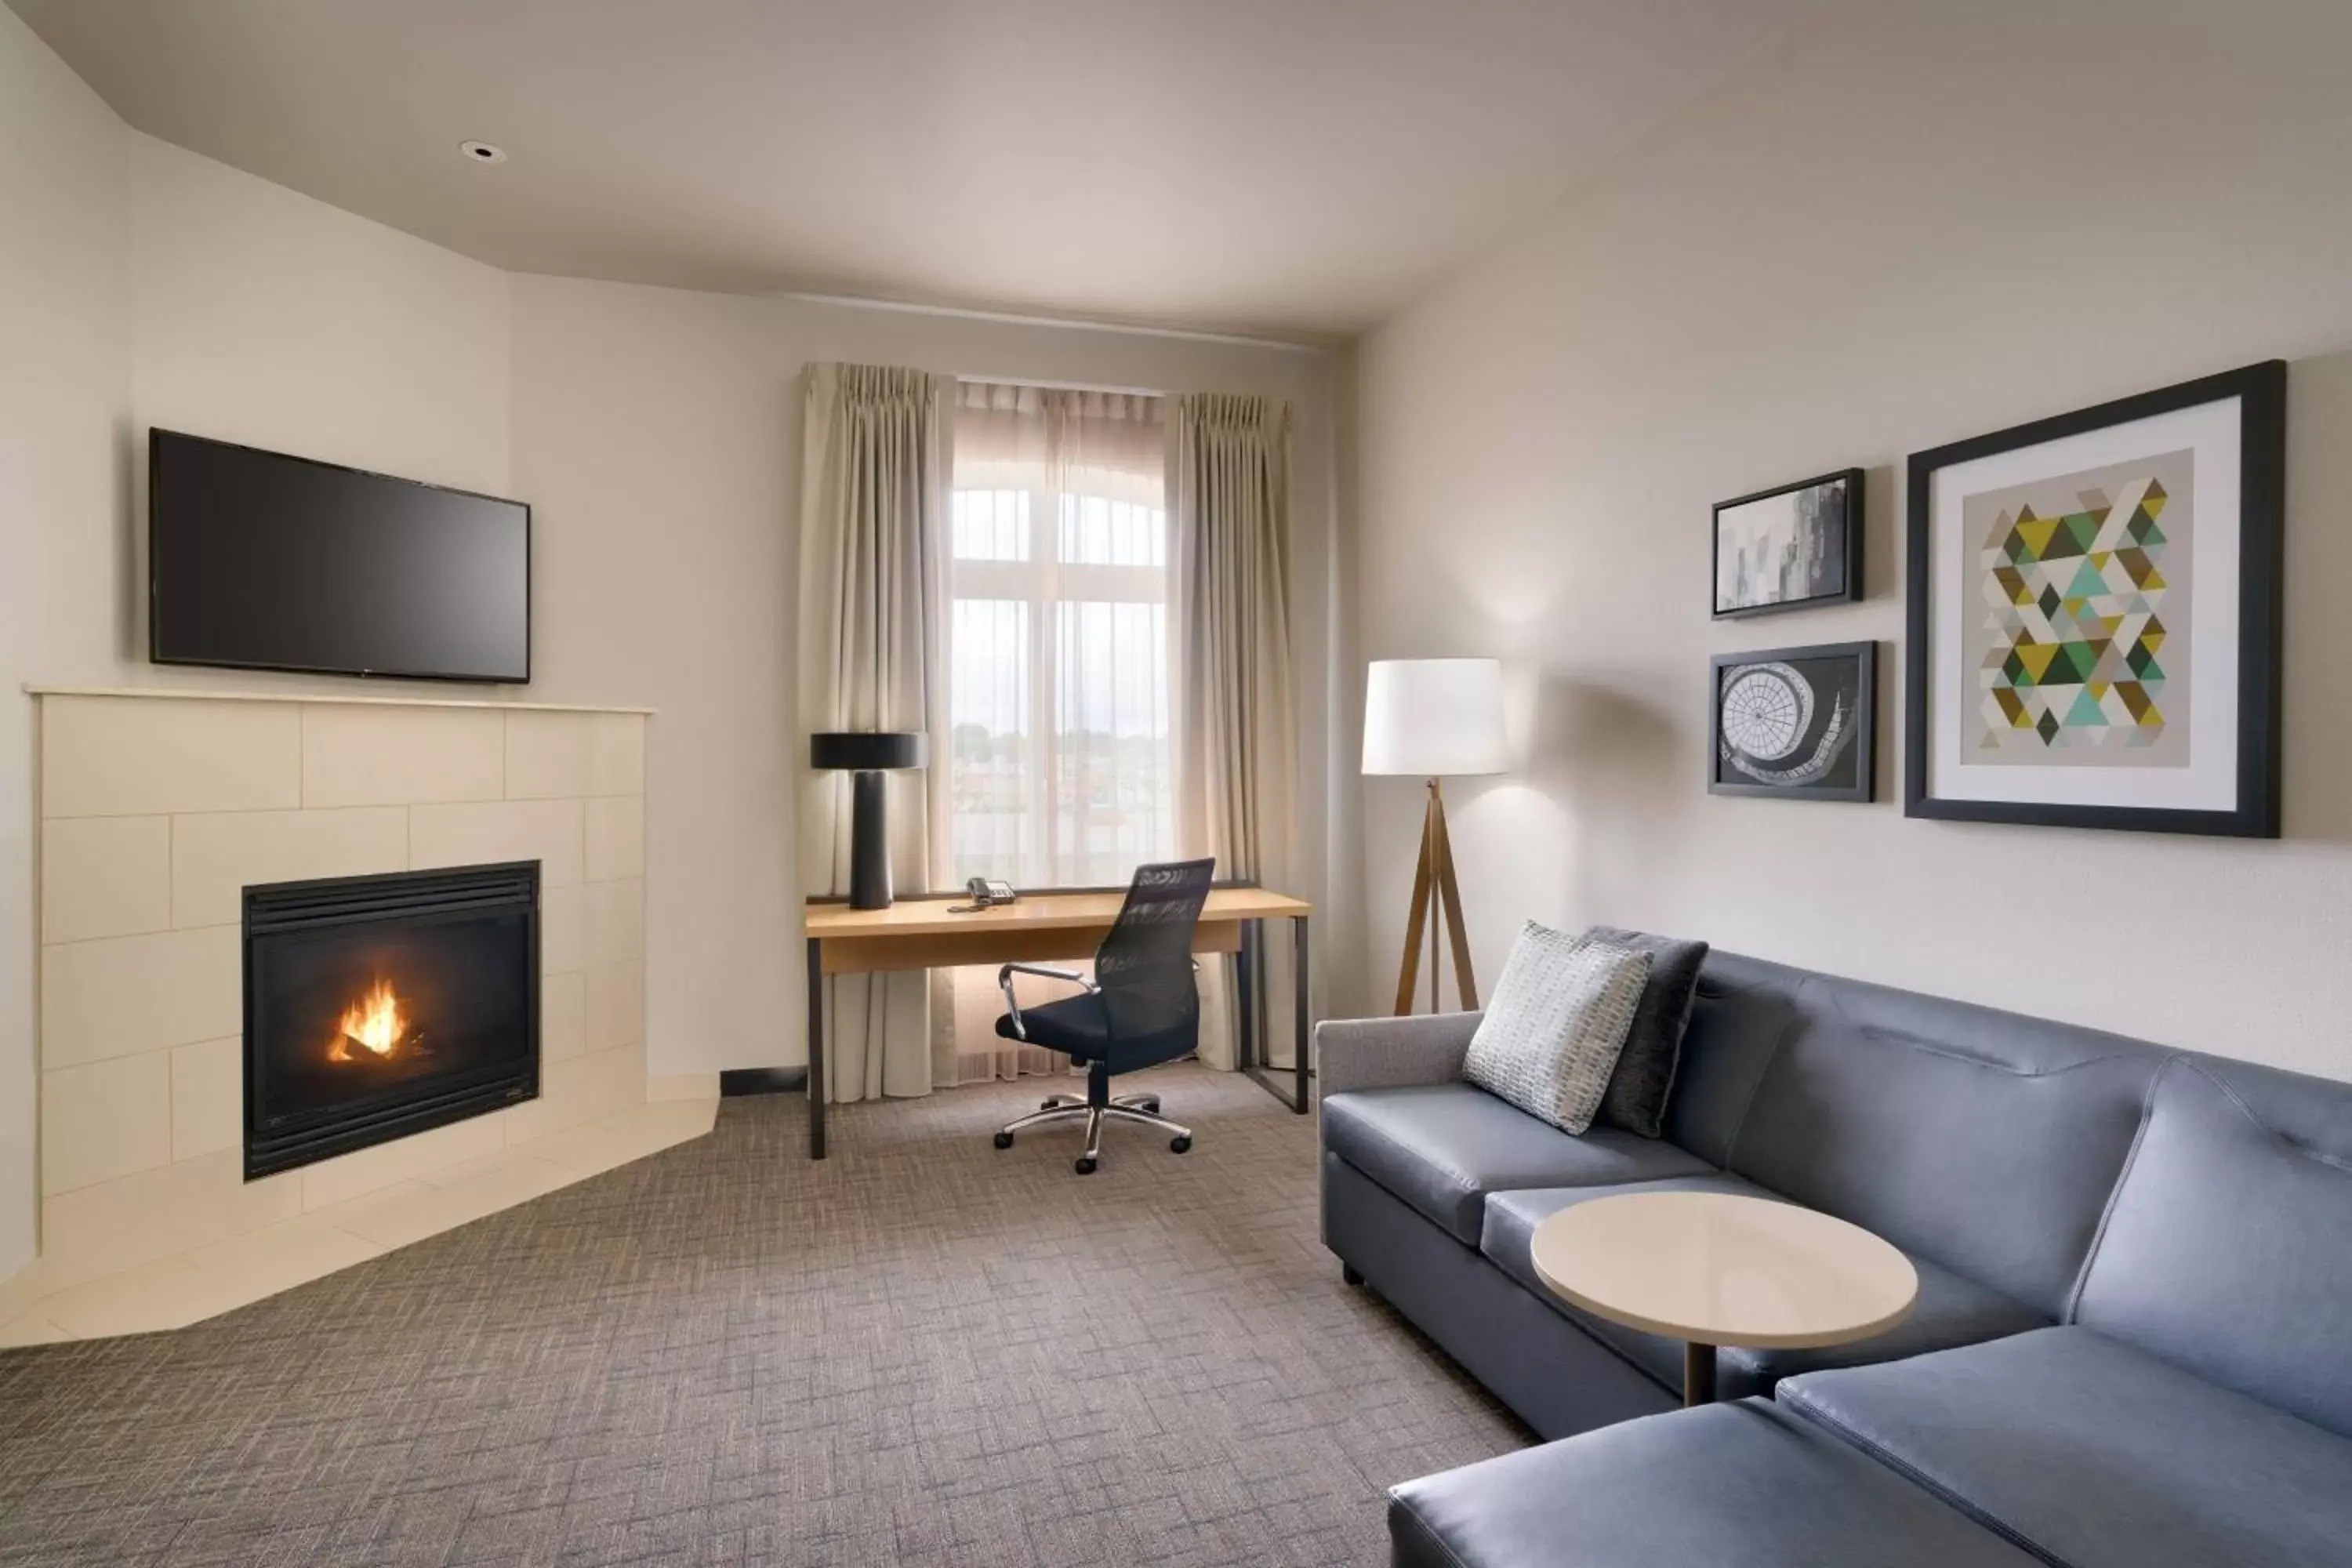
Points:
x=1236 y=747
x=875 y=470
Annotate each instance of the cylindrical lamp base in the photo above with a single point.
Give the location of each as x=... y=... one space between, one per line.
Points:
x=869 y=841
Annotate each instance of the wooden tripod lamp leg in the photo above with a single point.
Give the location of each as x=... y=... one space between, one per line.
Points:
x=1464 y=983
x=1423 y=871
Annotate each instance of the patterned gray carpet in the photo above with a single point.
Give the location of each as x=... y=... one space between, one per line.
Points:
x=921 y=1350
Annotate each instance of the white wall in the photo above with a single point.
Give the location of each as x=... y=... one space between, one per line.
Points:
x=65 y=371
x=1917 y=221
x=656 y=433
x=265 y=317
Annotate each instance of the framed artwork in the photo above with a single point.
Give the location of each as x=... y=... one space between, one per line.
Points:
x=1799 y=723
x=1789 y=548
x=2094 y=616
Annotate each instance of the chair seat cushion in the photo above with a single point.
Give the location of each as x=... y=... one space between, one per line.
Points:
x=2097 y=1455
x=1724 y=1486
x=1078 y=1027
x=1950 y=1310
x=1442 y=1147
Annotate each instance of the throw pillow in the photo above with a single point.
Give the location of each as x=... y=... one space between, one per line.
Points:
x=1558 y=1018
x=1644 y=1078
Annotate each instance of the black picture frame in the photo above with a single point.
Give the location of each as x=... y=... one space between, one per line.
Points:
x=1850 y=557
x=2260 y=392
x=1723 y=777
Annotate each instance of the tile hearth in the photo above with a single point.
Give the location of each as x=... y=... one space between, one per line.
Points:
x=174 y=1291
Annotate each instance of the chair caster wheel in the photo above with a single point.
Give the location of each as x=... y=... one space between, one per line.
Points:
x=1085 y=1167
x=1180 y=1144
x=1004 y=1140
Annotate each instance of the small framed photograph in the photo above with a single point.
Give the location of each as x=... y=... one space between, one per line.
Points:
x=1798 y=722
x=1790 y=548
x=2095 y=613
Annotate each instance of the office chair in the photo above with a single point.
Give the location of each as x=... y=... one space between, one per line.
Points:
x=1141 y=1008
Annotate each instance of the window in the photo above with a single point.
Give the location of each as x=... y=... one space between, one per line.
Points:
x=1062 y=770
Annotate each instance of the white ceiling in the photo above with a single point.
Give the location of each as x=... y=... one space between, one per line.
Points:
x=1295 y=167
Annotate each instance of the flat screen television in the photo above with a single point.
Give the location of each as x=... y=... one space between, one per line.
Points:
x=259 y=561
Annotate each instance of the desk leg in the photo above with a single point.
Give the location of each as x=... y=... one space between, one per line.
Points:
x=1293 y=1094
x=1245 y=998
x=1699 y=1374
x=1301 y=1037
x=816 y=1048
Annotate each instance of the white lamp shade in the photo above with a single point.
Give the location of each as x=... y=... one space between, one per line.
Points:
x=1434 y=717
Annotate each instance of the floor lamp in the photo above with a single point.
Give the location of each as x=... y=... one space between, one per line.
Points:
x=1435 y=718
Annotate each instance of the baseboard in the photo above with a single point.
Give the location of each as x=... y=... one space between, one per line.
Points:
x=682 y=1086
x=736 y=1081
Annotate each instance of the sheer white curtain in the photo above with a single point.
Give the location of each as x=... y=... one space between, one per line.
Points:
x=1061 y=771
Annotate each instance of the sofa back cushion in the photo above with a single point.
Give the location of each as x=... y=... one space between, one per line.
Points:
x=1741 y=1011
x=2228 y=1248
x=1983 y=1141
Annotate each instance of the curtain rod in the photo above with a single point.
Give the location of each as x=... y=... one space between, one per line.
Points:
x=1066 y=385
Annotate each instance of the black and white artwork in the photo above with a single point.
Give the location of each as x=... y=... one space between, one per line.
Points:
x=1796 y=722
x=1787 y=548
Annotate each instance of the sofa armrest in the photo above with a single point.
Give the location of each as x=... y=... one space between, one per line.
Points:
x=1389 y=1053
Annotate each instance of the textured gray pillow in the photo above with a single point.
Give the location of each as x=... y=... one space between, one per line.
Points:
x=1644 y=1078
x=1559 y=1017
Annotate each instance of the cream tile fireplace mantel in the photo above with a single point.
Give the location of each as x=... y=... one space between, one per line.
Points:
x=157 y=809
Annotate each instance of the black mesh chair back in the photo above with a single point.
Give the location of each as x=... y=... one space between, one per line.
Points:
x=1145 y=966
x=1140 y=1009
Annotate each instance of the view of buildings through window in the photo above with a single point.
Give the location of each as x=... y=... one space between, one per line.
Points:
x=1063 y=769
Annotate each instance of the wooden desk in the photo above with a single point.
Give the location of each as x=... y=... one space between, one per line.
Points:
x=919 y=933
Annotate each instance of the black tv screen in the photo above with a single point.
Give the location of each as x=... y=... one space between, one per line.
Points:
x=259 y=561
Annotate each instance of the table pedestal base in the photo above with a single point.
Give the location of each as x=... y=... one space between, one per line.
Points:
x=1699 y=1374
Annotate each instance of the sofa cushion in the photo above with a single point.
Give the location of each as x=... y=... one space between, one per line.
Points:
x=1724 y=1486
x=1984 y=1140
x=2228 y=1248
x=2096 y=1456
x=1950 y=1310
x=1443 y=1147
x=1552 y=1036
x=1643 y=1081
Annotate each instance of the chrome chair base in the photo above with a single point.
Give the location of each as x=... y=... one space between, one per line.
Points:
x=1141 y=1108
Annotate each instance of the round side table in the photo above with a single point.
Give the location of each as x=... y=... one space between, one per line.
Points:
x=1715 y=1268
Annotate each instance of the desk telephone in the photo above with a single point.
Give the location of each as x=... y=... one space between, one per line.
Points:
x=986 y=893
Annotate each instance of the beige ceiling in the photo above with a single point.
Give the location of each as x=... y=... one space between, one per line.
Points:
x=1297 y=167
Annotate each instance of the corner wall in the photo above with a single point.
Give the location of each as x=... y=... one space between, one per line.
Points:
x=65 y=395
x=1912 y=223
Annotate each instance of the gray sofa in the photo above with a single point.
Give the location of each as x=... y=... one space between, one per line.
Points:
x=2133 y=1342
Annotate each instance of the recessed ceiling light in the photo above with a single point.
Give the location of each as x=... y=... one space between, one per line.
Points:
x=482 y=153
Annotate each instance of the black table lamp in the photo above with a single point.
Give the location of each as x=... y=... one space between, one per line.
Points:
x=867 y=753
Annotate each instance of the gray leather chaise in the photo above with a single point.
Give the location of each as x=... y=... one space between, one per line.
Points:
x=2133 y=1343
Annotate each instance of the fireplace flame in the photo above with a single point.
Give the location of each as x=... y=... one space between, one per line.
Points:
x=374 y=1023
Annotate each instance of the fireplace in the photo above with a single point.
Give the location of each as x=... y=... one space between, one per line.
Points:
x=379 y=1006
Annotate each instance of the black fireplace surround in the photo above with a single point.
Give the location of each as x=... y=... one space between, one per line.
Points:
x=379 y=1006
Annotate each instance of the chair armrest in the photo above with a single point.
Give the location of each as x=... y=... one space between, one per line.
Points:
x=1389 y=1053
x=1004 y=984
